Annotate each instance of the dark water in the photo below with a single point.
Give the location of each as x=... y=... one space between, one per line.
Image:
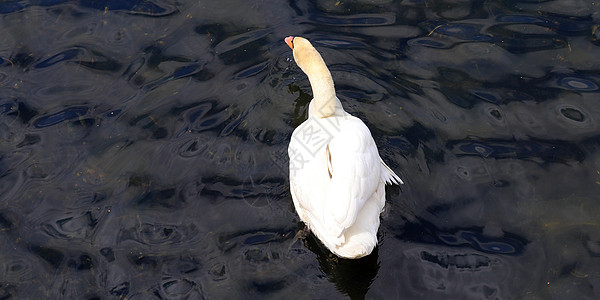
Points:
x=143 y=148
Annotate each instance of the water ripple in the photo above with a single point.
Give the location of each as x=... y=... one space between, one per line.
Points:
x=64 y=115
x=468 y=32
x=460 y=261
x=337 y=43
x=242 y=47
x=575 y=116
x=17 y=108
x=577 y=83
x=252 y=70
x=159 y=234
x=237 y=239
x=430 y=42
x=561 y=152
x=356 y=20
x=205 y=116
x=99 y=61
x=79 y=227
x=65 y=55
x=148 y=8
x=507 y=244
x=16 y=269
x=141 y=7
x=13 y=6
x=179 y=287
x=570 y=24
x=188 y=70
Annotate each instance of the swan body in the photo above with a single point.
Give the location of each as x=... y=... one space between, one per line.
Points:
x=337 y=178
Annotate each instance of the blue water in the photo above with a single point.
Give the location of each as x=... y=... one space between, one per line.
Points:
x=143 y=148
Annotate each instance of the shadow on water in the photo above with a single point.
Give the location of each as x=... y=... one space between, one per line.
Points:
x=352 y=277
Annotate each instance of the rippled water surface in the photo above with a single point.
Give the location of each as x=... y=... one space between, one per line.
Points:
x=143 y=148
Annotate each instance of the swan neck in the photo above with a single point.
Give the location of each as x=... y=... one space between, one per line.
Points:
x=324 y=103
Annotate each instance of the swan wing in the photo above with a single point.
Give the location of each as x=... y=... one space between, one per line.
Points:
x=355 y=169
x=308 y=170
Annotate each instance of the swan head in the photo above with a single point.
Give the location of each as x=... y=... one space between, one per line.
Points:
x=305 y=55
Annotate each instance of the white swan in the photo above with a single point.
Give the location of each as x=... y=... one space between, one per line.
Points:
x=337 y=178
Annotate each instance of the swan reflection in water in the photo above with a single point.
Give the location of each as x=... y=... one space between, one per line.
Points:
x=352 y=277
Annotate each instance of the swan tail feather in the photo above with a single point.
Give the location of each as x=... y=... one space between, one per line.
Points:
x=388 y=176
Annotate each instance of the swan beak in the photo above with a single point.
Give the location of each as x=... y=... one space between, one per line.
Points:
x=289 y=41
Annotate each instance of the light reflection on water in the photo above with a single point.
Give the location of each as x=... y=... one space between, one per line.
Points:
x=143 y=148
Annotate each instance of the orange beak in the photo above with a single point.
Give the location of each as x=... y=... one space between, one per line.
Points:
x=289 y=41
